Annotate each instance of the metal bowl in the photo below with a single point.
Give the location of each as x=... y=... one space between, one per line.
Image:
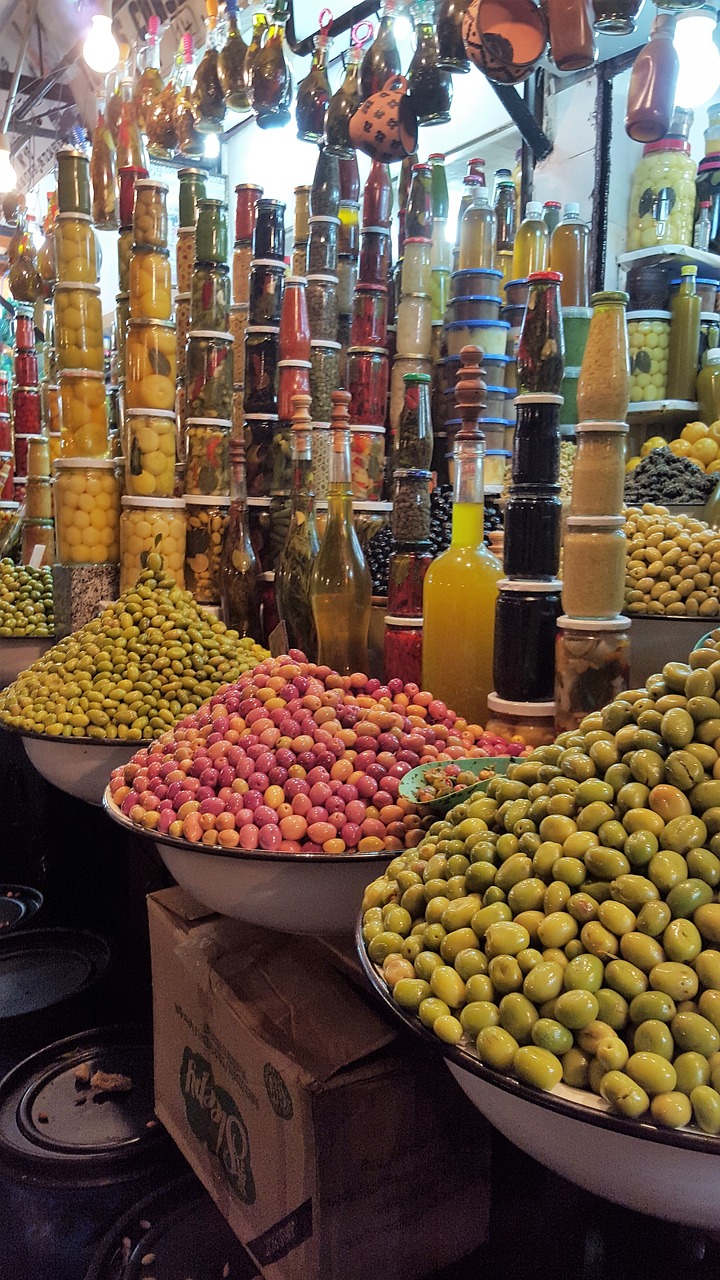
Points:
x=79 y=766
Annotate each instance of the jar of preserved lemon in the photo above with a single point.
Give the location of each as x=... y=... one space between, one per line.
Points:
x=87 y=511
x=150 y=284
x=150 y=220
x=50 y=399
x=151 y=524
x=38 y=498
x=207 y=519
x=150 y=453
x=79 y=327
x=83 y=414
x=151 y=365
x=75 y=254
x=37 y=533
x=55 y=443
x=662 y=196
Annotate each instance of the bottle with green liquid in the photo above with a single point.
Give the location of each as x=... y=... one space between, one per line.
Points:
x=684 y=338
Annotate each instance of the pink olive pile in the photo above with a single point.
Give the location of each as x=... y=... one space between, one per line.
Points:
x=295 y=758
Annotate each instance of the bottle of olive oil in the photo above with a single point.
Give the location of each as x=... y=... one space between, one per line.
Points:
x=295 y=564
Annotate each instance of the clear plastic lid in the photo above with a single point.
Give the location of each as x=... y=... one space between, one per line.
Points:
x=619 y=623
x=206 y=500
x=530 y=585
x=221 y=423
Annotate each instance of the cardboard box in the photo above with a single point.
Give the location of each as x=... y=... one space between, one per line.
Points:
x=335 y=1149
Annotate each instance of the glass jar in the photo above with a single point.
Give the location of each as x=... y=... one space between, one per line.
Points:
x=413 y=437
x=282 y=460
x=147 y=525
x=349 y=230
x=38 y=498
x=406 y=575
x=267 y=277
x=322 y=254
x=439 y=292
x=209 y=374
x=708 y=192
x=6 y=433
x=7 y=479
x=532 y=532
x=367 y=382
x=369 y=316
x=75 y=256
x=151 y=362
x=73 y=181
x=51 y=395
x=599 y=469
x=128 y=175
x=150 y=219
x=541 y=349
x=38 y=457
x=150 y=287
x=207 y=456
x=247 y=195
x=410 y=519
x=79 y=327
x=261 y=369
x=295 y=321
x=38 y=533
x=301 y=225
x=211 y=232
x=239 y=319
x=536 y=449
x=150 y=453
x=662 y=196
x=592 y=667
x=321 y=449
x=269 y=237
x=604 y=385
x=125 y=246
x=27 y=413
x=530 y=722
x=649 y=342
x=414 y=324
x=293 y=380
x=593 y=566
x=374 y=264
x=322 y=301
x=83 y=414
x=26 y=368
x=524 y=649
x=185 y=258
x=325 y=188
x=24 y=329
x=87 y=511
x=182 y=326
x=347 y=274
x=367 y=458
x=258 y=435
x=416 y=266
x=210 y=297
x=122 y=318
x=241 y=264
x=417 y=363
x=402 y=649
x=324 y=377
x=206 y=521
x=191 y=192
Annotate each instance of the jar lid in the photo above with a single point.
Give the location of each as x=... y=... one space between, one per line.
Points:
x=221 y=423
x=186 y=231
x=161 y=324
x=513 y=284
x=241 y=186
x=474 y=297
x=9 y=506
x=594 y=624
x=216 y=335
x=268 y=262
x=667 y=144
x=478 y=324
x=602 y=522
x=326 y=279
x=417 y=377
x=528 y=710
x=649 y=315
x=498 y=453
x=299 y=280
x=412 y=355
x=254 y=417
x=188 y=170
x=414 y=295
x=576 y=313
x=709 y=317
x=167 y=504
x=204 y=500
x=102 y=464
x=373 y=351
x=482 y=271
x=184 y=297
x=529 y=585
x=153 y=182
x=38 y=524
x=327 y=342
x=551 y=277
x=412 y=473
x=537 y=397
x=258 y=502
x=323 y=217
x=357 y=426
x=616 y=428
x=377 y=231
x=73 y=373
x=610 y=295
x=35 y=391
x=496 y=422
x=125 y=297
x=295 y=189
x=234 y=306
x=150 y=413
x=379 y=508
x=362 y=287
x=506 y=391
x=294 y=364
x=88 y=288
x=392 y=621
x=413 y=239
x=75 y=217
x=269 y=576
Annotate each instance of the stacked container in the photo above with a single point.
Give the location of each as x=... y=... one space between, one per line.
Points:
x=127 y=178
x=348 y=250
x=413 y=338
x=192 y=190
x=247 y=195
x=27 y=410
x=322 y=265
x=267 y=443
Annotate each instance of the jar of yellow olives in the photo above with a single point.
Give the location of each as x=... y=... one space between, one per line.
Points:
x=150 y=220
x=147 y=525
x=75 y=252
x=649 y=343
x=662 y=196
x=125 y=245
x=150 y=453
x=206 y=520
x=87 y=511
x=79 y=327
x=150 y=284
x=83 y=414
x=38 y=498
x=151 y=365
x=122 y=315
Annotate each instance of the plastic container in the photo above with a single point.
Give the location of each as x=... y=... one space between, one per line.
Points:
x=367 y=457
x=151 y=364
x=83 y=414
x=87 y=511
x=322 y=305
x=150 y=287
x=402 y=649
x=662 y=196
x=261 y=369
x=210 y=374
x=150 y=219
x=37 y=533
x=489 y=335
x=592 y=666
x=207 y=456
x=594 y=566
x=416 y=266
x=533 y=722
x=532 y=532
x=210 y=297
x=267 y=277
x=79 y=327
x=524 y=649
x=150 y=453
x=477 y=280
x=576 y=326
x=152 y=524
x=480 y=306
x=75 y=253
x=367 y=381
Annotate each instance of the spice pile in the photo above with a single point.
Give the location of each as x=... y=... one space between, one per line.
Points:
x=672 y=565
x=26 y=601
x=663 y=477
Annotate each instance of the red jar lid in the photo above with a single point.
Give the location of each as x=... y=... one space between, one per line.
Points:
x=667 y=144
x=551 y=277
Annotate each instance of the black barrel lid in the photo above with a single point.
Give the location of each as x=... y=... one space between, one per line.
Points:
x=173 y=1234
x=57 y=1127
x=42 y=967
x=18 y=902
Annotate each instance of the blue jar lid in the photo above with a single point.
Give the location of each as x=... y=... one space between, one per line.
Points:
x=478 y=324
x=477 y=271
x=475 y=297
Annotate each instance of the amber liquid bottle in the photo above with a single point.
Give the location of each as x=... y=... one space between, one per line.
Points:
x=570 y=255
x=651 y=95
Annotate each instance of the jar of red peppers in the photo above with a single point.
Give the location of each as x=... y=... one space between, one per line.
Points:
x=403 y=649
x=406 y=575
x=4 y=394
x=369 y=316
x=293 y=380
x=7 y=477
x=367 y=380
x=26 y=368
x=374 y=255
x=6 y=433
x=295 y=320
x=128 y=176
x=24 y=329
x=26 y=411
x=247 y=195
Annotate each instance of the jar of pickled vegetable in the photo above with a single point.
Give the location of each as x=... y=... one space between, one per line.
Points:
x=267 y=278
x=241 y=263
x=322 y=301
x=38 y=456
x=150 y=219
x=75 y=256
x=151 y=449
x=125 y=246
x=210 y=297
x=79 y=327
x=83 y=414
x=662 y=196
x=6 y=433
x=594 y=566
x=239 y=319
x=410 y=519
x=87 y=511
x=417 y=363
x=592 y=667
x=38 y=533
x=192 y=191
x=322 y=255
x=122 y=317
x=24 y=329
x=151 y=361
x=649 y=342
x=55 y=442
x=247 y=195
x=182 y=324
x=530 y=722
x=258 y=435
x=301 y=226
x=148 y=525
x=367 y=381
x=374 y=267
x=207 y=457
x=38 y=498
x=185 y=258
x=26 y=368
x=603 y=390
x=347 y=275
x=416 y=266
x=261 y=368
x=211 y=233
x=73 y=181
x=367 y=456
x=26 y=411
x=206 y=521
x=128 y=176
x=324 y=377
x=150 y=290
x=414 y=324
x=402 y=649
x=293 y=380
x=369 y=316
x=209 y=374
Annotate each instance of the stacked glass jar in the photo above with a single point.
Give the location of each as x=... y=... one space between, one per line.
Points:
x=593 y=642
x=127 y=178
x=267 y=443
x=348 y=251
x=192 y=191
x=322 y=267
x=247 y=195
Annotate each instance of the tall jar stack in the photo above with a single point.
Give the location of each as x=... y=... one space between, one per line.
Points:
x=127 y=177
x=49 y=385
x=348 y=250
x=441 y=265
x=192 y=190
x=413 y=319
x=247 y=195
x=267 y=442
x=593 y=640
x=321 y=270
x=26 y=405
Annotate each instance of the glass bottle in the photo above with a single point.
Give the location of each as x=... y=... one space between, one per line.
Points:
x=405 y=179
x=505 y=203
x=190 y=144
x=239 y=573
x=684 y=338
x=603 y=389
x=377 y=197
x=451 y=47
x=160 y=128
x=651 y=95
x=148 y=79
x=103 y=175
x=708 y=387
x=341 y=588
x=23 y=276
x=46 y=252
x=701 y=234
x=430 y=88
x=206 y=93
x=532 y=243
x=413 y=443
x=476 y=169
x=271 y=82
x=460 y=587
x=570 y=255
x=552 y=209
x=470 y=188
x=541 y=350
x=113 y=91
x=294 y=568
x=419 y=212
x=313 y=95
x=478 y=233
x=349 y=179
x=572 y=39
x=343 y=105
x=231 y=63
x=259 y=32
x=131 y=153
x=616 y=17
x=382 y=58
x=440 y=198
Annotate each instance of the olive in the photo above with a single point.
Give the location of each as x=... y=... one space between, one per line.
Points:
x=456 y=943
x=410 y=993
x=598 y=890
x=688 y=897
x=693 y=1033
x=486 y=916
x=557 y=929
x=430 y=1009
x=632 y=796
x=505 y=938
x=529 y=959
x=518 y=1016
x=536 y=1066
x=622 y=1093
x=652 y=1005
x=691 y=1070
x=505 y=974
x=530 y=920
x=604 y=755
x=543 y=982
x=651 y=1072
x=707 y=919
x=642 y=951
x=479 y=876
x=685 y=833
x=648 y=767
x=705 y=1103
x=478 y=987
x=606 y=864
x=678 y=981
x=683 y=770
x=448 y=1029
x=653 y=917
x=682 y=941
x=615 y=715
x=625 y=978
x=551 y=1035
x=570 y=870
x=707 y=968
x=576 y=1009
x=493 y=896
x=612 y=1008
x=594 y=791
x=700 y=684
x=584 y=973
x=703 y=708
x=640 y=847
x=478 y=1014
x=575 y=1065
x=678 y=725
x=527 y=895
x=633 y=891
x=671 y=1110
x=704 y=865
x=425 y=963
x=706 y=795
x=582 y=908
x=654 y=1036
x=666 y=870
x=556 y=896
x=618 y=776
x=617 y=918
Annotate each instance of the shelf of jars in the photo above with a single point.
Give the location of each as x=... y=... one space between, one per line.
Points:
x=708 y=263
x=674 y=413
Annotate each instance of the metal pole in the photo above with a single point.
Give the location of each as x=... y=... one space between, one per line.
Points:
x=12 y=95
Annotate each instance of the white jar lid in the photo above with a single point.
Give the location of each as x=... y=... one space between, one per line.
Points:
x=209 y=422
x=102 y=464
x=247 y=417
x=268 y=262
x=269 y=576
x=530 y=585
x=603 y=522
x=537 y=397
x=373 y=430
x=619 y=623
x=151 y=182
x=235 y=306
x=648 y=315
x=326 y=279
x=381 y=231
x=375 y=507
x=174 y=504
x=150 y=413
x=184 y=297
x=76 y=217
x=88 y=288
x=373 y=351
x=258 y=502
x=323 y=217
x=210 y=333
x=294 y=364
x=183 y=231
x=618 y=428
x=125 y=297
x=73 y=373
x=528 y=710
x=207 y=500
x=9 y=506
x=392 y=621
x=301 y=280
x=320 y=342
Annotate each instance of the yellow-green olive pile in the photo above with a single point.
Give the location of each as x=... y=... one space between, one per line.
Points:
x=565 y=926
x=147 y=662
x=673 y=564
x=26 y=601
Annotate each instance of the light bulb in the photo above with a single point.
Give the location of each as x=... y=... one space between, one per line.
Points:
x=212 y=146
x=8 y=176
x=101 y=50
x=699 y=58
x=402 y=27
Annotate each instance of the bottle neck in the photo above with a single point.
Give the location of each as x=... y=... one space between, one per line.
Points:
x=303 y=496
x=340 y=485
x=238 y=483
x=468 y=489
x=687 y=287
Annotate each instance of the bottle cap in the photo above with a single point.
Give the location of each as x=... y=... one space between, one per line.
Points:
x=688 y=270
x=571 y=210
x=533 y=209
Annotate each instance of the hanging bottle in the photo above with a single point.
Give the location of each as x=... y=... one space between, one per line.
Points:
x=382 y=58
x=160 y=125
x=429 y=88
x=325 y=189
x=271 y=82
x=341 y=588
x=239 y=573
x=231 y=62
x=131 y=153
x=343 y=105
x=103 y=175
x=651 y=95
x=572 y=38
x=259 y=32
x=148 y=79
x=313 y=93
x=190 y=144
x=293 y=573
x=208 y=100
x=377 y=197
x=451 y=47
x=23 y=276
x=46 y=252
x=440 y=197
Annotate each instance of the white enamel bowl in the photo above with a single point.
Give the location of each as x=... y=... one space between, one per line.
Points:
x=79 y=766
x=17 y=654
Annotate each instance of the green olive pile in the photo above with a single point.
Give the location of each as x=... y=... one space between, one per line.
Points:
x=672 y=565
x=26 y=601
x=148 y=661
x=566 y=925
